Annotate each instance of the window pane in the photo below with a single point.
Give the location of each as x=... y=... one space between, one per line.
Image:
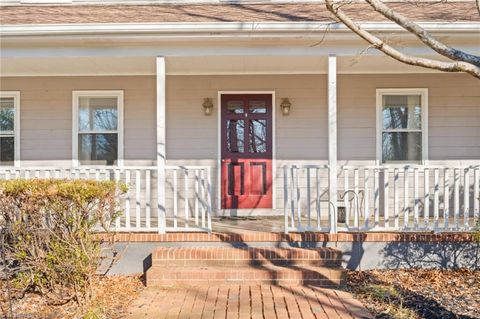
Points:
x=7 y=114
x=7 y=150
x=258 y=136
x=257 y=107
x=402 y=112
x=97 y=113
x=235 y=107
x=235 y=136
x=402 y=146
x=97 y=149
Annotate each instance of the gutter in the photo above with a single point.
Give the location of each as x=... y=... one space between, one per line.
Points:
x=222 y=28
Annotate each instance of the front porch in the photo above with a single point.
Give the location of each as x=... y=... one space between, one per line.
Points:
x=327 y=173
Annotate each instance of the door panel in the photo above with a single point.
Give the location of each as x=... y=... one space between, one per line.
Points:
x=246 y=151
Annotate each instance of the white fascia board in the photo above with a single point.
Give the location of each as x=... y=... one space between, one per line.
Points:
x=214 y=29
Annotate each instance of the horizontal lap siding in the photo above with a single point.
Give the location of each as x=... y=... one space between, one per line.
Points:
x=301 y=137
x=454 y=114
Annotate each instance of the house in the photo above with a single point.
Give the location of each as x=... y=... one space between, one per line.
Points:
x=211 y=109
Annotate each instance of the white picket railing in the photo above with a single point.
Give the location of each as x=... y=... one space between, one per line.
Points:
x=140 y=207
x=408 y=198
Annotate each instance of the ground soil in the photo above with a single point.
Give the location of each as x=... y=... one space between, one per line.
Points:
x=418 y=293
x=113 y=295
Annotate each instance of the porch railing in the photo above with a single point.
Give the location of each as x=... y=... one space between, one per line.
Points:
x=188 y=188
x=407 y=198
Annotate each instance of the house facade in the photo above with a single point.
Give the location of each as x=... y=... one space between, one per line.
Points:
x=245 y=109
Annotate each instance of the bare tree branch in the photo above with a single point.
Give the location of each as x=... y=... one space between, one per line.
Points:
x=423 y=35
x=455 y=66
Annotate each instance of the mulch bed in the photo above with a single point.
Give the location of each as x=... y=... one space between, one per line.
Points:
x=112 y=297
x=418 y=293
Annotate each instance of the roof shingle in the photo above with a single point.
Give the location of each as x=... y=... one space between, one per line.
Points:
x=425 y=11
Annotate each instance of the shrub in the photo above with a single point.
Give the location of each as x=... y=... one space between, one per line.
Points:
x=50 y=247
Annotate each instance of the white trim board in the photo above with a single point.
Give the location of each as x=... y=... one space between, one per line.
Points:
x=76 y=94
x=16 y=124
x=214 y=29
x=219 y=142
x=423 y=92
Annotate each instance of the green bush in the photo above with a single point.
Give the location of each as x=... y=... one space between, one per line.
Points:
x=48 y=225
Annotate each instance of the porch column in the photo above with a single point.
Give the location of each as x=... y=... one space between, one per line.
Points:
x=332 y=141
x=161 y=143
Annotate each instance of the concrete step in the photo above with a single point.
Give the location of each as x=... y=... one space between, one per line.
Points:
x=223 y=265
x=264 y=274
x=245 y=256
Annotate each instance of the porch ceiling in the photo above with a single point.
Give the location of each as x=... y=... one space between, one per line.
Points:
x=101 y=65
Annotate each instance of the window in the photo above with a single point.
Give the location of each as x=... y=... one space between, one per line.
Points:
x=9 y=128
x=402 y=125
x=97 y=127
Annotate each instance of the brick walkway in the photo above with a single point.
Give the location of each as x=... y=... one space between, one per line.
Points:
x=246 y=301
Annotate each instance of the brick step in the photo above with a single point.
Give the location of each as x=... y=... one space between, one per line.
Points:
x=245 y=256
x=265 y=274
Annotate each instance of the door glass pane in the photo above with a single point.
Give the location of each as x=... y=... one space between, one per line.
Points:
x=235 y=107
x=97 y=149
x=401 y=146
x=7 y=150
x=97 y=114
x=235 y=136
x=402 y=112
x=258 y=136
x=7 y=114
x=257 y=107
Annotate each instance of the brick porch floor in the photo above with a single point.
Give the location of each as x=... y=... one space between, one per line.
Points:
x=246 y=301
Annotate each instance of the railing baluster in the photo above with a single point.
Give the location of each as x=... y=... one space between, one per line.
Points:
x=317 y=182
x=476 y=194
x=386 y=200
x=345 y=196
x=416 y=198
x=466 y=197
x=148 y=198
x=395 y=198
x=202 y=193
x=209 y=198
x=196 y=197
x=292 y=196
x=297 y=184
x=137 y=198
x=376 y=197
x=117 y=179
x=309 y=213
x=285 y=198
x=127 y=200
x=367 y=196
x=356 y=211
x=426 y=198
x=406 y=208
x=175 y=200
x=456 y=198
x=186 y=207
x=446 y=198
x=436 y=197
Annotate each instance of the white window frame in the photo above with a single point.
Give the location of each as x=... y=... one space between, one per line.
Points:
x=16 y=124
x=75 y=131
x=423 y=92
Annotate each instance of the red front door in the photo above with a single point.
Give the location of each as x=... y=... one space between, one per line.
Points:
x=246 y=151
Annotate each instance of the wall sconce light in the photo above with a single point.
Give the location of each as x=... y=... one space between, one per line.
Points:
x=285 y=106
x=207 y=106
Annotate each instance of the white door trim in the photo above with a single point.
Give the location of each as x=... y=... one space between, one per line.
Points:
x=219 y=141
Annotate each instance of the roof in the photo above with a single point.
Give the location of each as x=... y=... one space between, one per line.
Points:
x=66 y=14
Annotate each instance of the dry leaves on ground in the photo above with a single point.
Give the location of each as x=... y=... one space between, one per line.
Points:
x=112 y=297
x=418 y=293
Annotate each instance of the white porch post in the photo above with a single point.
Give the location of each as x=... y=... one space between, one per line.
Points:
x=161 y=143
x=332 y=141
